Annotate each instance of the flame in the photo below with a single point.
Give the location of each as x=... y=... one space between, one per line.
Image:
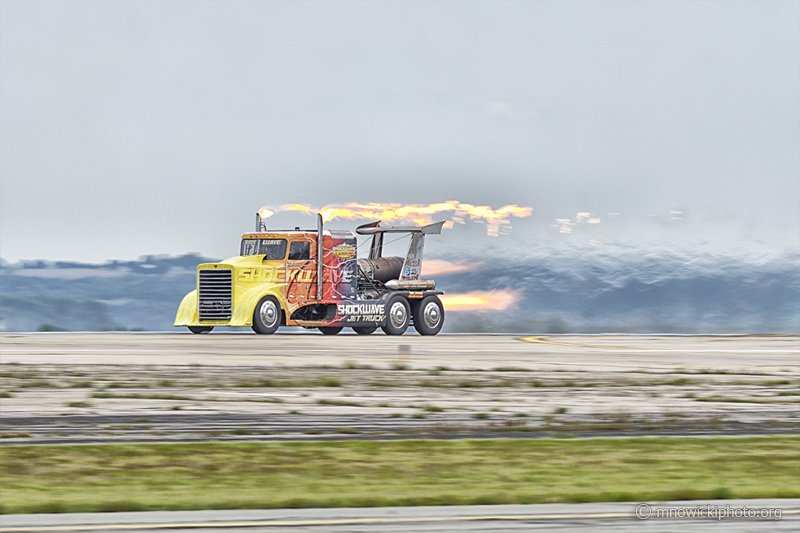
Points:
x=298 y=207
x=437 y=267
x=497 y=220
x=265 y=212
x=480 y=301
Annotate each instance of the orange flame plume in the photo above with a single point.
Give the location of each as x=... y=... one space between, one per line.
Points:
x=298 y=207
x=497 y=220
x=438 y=267
x=265 y=212
x=480 y=301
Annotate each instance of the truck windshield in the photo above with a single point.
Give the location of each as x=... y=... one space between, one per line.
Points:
x=271 y=249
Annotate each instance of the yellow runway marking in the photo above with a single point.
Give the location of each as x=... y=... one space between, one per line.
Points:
x=541 y=340
x=408 y=360
x=343 y=521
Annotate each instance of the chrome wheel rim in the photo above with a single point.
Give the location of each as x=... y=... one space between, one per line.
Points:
x=431 y=315
x=397 y=315
x=268 y=313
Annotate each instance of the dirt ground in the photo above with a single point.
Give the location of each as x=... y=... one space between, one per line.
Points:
x=108 y=402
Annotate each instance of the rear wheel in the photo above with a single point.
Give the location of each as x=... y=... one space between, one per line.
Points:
x=429 y=316
x=365 y=330
x=267 y=316
x=197 y=330
x=330 y=330
x=398 y=317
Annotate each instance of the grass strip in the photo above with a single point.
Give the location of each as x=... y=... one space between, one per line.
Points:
x=140 y=396
x=263 y=475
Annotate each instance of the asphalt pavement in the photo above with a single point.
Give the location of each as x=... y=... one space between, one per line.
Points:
x=773 y=516
x=622 y=353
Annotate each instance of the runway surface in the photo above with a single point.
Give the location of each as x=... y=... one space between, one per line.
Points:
x=621 y=353
x=110 y=387
x=125 y=387
x=480 y=518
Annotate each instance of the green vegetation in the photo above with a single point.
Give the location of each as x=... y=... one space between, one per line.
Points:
x=352 y=365
x=322 y=382
x=144 y=396
x=346 y=431
x=344 y=403
x=744 y=400
x=132 y=385
x=679 y=382
x=37 y=384
x=78 y=404
x=48 y=327
x=139 y=396
x=13 y=435
x=217 y=475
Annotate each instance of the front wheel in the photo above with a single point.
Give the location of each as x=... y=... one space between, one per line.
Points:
x=198 y=330
x=365 y=330
x=429 y=316
x=330 y=330
x=398 y=317
x=267 y=316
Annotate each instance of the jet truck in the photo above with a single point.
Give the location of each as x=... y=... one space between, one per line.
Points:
x=314 y=279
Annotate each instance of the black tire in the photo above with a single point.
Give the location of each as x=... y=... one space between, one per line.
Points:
x=398 y=316
x=199 y=330
x=267 y=316
x=330 y=330
x=365 y=330
x=429 y=315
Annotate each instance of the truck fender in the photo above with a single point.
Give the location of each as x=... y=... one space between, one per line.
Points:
x=246 y=304
x=187 y=312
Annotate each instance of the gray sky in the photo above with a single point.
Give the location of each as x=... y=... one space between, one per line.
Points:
x=131 y=128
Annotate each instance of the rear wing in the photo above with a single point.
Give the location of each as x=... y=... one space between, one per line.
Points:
x=412 y=266
x=375 y=227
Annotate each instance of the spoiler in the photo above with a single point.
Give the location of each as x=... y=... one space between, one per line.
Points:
x=412 y=266
x=374 y=227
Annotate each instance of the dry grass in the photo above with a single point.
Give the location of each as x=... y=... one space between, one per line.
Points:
x=407 y=472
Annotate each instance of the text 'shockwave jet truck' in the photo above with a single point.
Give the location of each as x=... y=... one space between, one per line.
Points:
x=276 y=282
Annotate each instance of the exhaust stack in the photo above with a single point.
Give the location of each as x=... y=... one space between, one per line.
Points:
x=319 y=256
x=260 y=226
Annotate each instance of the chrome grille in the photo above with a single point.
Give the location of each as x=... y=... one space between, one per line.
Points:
x=214 y=294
